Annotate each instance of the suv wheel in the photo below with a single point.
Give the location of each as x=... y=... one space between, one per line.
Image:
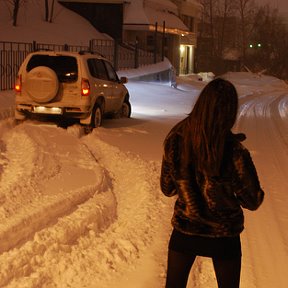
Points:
x=96 y=116
x=96 y=120
x=42 y=84
x=125 y=111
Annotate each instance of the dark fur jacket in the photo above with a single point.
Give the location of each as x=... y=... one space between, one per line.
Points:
x=210 y=206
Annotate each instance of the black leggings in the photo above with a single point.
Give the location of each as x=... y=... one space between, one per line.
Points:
x=179 y=265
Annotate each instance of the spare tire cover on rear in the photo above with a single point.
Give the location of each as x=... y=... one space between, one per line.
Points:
x=42 y=84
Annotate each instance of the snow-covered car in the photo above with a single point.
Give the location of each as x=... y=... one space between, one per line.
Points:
x=70 y=85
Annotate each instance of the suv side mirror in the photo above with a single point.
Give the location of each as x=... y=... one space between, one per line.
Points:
x=123 y=80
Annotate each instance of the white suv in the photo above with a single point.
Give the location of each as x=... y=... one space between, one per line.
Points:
x=70 y=85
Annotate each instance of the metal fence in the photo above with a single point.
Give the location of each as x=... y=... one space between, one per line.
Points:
x=123 y=56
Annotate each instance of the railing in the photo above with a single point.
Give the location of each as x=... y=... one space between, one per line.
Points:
x=11 y=57
x=122 y=56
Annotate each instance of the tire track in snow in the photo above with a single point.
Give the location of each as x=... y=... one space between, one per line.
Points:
x=137 y=191
x=121 y=242
x=264 y=240
x=44 y=260
x=48 y=217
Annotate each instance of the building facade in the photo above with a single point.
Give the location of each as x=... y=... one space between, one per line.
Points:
x=190 y=13
x=168 y=28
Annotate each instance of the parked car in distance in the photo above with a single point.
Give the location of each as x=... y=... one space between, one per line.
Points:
x=82 y=86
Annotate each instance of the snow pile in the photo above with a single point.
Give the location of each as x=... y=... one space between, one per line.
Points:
x=31 y=26
x=67 y=203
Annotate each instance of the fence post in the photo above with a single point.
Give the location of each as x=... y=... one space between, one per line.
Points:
x=66 y=47
x=91 y=45
x=116 y=54
x=34 y=46
x=136 y=56
x=163 y=41
x=155 y=43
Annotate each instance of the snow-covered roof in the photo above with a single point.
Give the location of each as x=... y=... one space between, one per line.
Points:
x=143 y=13
x=161 y=4
x=171 y=20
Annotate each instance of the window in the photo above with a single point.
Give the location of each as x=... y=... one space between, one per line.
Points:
x=111 y=72
x=97 y=68
x=65 y=67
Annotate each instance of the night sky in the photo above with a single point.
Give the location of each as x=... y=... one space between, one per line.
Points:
x=282 y=5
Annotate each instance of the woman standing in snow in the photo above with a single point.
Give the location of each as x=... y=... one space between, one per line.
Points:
x=213 y=176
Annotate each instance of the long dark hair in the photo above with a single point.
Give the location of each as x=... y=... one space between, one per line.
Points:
x=209 y=124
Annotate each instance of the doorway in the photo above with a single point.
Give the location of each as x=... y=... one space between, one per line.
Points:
x=186 y=59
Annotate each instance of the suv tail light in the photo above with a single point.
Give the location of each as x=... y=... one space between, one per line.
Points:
x=18 y=84
x=85 y=87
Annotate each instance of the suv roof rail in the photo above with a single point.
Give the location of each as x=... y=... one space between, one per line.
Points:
x=43 y=49
x=82 y=52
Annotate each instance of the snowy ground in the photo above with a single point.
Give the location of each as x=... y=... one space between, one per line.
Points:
x=86 y=210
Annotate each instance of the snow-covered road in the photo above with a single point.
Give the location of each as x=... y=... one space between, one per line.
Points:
x=86 y=210
x=264 y=119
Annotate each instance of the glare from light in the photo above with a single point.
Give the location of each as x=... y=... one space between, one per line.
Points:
x=17 y=88
x=48 y=110
x=85 y=92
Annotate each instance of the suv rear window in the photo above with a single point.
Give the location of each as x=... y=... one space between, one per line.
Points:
x=65 y=67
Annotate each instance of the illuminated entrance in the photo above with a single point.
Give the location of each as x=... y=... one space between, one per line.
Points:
x=186 y=59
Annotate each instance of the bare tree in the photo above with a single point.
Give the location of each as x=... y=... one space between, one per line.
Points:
x=16 y=4
x=52 y=11
x=219 y=18
x=246 y=10
x=49 y=11
x=46 y=10
x=224 y=25
x=230 y=25
x=270 y=39
x=206 y=37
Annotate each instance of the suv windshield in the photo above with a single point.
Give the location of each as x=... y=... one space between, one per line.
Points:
x=65 y=67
